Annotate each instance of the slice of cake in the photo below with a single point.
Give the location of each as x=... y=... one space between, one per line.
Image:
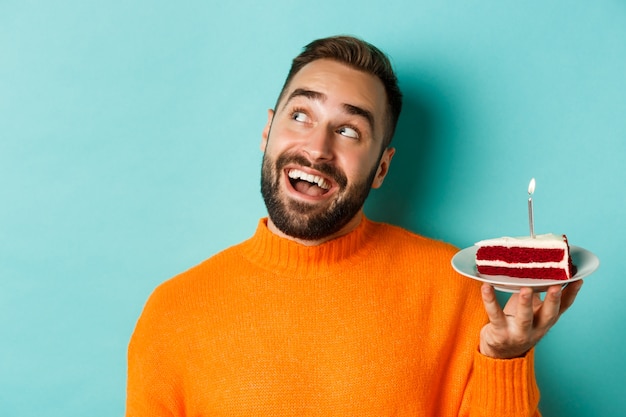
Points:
x=542 y=257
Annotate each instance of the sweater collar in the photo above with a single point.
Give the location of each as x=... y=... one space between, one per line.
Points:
x=286 y=256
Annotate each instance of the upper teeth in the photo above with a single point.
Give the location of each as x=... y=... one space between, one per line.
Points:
x=296 y=174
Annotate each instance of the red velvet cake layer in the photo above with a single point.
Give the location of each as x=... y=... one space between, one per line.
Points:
x=519 y=255
x=536 y=273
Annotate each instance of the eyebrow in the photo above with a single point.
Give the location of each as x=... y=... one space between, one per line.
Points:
x=310 y=94
x=349 y=108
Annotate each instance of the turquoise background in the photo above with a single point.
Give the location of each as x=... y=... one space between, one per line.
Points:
x=129 y=151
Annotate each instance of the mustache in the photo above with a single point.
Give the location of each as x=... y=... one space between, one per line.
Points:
x=328 y=170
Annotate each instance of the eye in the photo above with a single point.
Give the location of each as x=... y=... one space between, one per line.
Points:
x=350 y=132
x=299 y=116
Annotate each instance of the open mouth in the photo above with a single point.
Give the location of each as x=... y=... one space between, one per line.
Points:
x=308 y=184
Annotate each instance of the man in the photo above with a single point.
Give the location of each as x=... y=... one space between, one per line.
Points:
x=323 y=312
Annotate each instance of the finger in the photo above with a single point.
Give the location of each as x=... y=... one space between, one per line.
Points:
x=525 y=314
x=492 y=307
x=537 y=303
x=569 y=295
x=550 y=310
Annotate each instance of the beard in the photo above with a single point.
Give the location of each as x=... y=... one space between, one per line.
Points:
x=310 y=221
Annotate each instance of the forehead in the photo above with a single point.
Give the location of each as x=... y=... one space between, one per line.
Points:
x=342 y=85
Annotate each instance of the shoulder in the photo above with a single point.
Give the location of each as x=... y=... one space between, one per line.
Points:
x=404 y=250
x=184 y=290
x=400 y=238
x=424 y=262
x=201 y=274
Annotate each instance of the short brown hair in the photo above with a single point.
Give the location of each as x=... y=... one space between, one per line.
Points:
x=362 y=56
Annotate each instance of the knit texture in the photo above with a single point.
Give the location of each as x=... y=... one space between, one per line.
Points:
x=374 y=323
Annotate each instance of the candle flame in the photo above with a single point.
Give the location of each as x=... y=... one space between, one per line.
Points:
x=531 y=186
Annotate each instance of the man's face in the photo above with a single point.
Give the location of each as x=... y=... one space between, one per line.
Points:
x=323 y=150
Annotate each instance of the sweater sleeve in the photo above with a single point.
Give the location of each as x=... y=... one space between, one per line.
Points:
x=153 y=385
x=495 y=387
x=502 y=387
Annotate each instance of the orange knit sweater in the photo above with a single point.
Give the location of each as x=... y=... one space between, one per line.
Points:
x=374 y=323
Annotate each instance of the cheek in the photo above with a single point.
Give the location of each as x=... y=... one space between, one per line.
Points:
x=273 y=146
x=358 y=167
x=279 y=141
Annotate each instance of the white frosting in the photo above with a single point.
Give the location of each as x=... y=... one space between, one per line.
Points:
x=564 y=264
x=547 y=241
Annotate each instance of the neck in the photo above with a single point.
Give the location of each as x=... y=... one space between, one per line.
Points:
x=350 y=226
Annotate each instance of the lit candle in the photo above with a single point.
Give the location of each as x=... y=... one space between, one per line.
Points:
x=531 y=223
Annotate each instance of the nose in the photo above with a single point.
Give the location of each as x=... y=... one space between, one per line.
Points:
x=319 y=145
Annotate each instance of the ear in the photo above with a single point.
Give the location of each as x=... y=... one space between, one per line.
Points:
x=266 y=131
x=383 y=167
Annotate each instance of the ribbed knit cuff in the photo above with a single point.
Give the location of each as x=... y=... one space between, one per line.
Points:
x=505 y=387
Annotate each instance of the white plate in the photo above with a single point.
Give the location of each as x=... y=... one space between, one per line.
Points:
x=464 y=262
